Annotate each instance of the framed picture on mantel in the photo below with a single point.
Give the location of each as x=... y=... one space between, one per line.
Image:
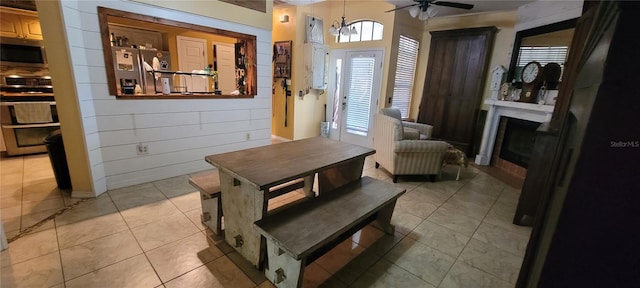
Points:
x=282 y=59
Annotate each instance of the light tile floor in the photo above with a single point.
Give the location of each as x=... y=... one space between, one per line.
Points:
x=448 y=234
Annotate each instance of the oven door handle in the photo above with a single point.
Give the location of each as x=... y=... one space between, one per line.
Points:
x=31 y=126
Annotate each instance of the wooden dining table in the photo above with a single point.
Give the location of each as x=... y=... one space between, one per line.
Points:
x=246 y=176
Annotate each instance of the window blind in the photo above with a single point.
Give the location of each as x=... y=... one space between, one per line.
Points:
x=359 y=96
x=405 y=73
x=544 y=55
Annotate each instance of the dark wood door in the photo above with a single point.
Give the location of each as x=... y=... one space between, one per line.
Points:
x=456 y=73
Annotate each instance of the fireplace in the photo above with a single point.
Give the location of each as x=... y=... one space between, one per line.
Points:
x=518 y=141
x=499 y=110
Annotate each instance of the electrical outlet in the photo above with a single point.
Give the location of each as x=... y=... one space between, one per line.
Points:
x=143 y=149
x=248 y=137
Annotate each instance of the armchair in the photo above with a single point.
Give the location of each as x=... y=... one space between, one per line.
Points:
x=401 y=156
x=417 y=131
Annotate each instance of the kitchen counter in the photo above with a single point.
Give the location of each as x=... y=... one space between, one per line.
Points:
x=195 y=95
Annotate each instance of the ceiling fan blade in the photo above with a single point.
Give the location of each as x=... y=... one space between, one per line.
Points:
x=398 y=8
x=453 y=4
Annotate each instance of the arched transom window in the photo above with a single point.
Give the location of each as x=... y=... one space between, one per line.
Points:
x=368 y=30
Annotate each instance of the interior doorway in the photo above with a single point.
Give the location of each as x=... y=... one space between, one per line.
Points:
x=192 y=55
x=356 y=81
x=224 y=57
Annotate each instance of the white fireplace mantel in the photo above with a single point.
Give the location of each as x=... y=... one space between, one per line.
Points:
x=519 y=110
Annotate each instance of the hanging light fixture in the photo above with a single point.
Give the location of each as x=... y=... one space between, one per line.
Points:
x=423 y=13
x=414 y=10
x=341 y=28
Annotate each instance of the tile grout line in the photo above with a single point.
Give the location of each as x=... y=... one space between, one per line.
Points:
x=471 y=238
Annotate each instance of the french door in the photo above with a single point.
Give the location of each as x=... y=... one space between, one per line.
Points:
x=353 y=96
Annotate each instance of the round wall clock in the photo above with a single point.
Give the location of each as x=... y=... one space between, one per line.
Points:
x=531 y=80
x=531 y=72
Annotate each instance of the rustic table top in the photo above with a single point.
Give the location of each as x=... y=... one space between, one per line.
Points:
x=271 y=165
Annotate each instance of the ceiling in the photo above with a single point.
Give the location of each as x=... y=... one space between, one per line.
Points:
x=295 y=2
x=480 y=6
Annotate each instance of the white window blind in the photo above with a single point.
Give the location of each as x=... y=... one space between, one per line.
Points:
x=405 y=73
x=359 y=96
x=544 y=55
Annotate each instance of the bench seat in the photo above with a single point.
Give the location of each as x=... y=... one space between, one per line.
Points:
x=302 y=233
x=208 y=183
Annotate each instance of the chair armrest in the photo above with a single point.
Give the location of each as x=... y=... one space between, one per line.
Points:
x=425 y=129
x=426 y=146
x=411 y=134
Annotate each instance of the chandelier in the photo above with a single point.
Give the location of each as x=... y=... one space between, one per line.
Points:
x=341 y=28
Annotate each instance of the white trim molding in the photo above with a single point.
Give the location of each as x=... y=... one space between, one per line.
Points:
x=498 y=108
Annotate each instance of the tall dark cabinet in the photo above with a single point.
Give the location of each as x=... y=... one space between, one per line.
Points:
x=453 y=87
x=587 y=235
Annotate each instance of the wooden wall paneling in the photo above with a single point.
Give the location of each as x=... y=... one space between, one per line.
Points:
x=258 y=5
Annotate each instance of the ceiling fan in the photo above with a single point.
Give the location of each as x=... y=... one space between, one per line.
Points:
x=424 y=10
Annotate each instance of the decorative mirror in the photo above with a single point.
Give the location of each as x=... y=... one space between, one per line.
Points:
x=546 y=44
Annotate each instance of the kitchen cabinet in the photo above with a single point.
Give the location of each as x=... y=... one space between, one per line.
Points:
x=138 y=37
x=16 y=23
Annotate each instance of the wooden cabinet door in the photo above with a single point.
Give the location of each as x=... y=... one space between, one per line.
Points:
x=142 y=37
x=138 y=36
x=453 y=87
x=10 y=25
x=31 y=27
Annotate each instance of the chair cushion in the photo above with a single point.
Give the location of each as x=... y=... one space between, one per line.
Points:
x=411 y=133
x=424 y=137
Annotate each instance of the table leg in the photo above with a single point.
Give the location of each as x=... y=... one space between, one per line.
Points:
x=238 y=197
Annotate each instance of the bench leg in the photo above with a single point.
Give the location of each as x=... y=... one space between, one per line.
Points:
x=383 y=219
x=282 y=270
x=211 y=212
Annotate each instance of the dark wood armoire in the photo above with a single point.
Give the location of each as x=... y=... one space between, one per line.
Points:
x=453 y=86
x=586 y=234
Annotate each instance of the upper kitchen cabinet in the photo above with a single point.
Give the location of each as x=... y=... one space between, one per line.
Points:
x=17 y=23
x=138 y=37
x=148 y=57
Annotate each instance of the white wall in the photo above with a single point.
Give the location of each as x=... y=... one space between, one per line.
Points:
x=179 y=133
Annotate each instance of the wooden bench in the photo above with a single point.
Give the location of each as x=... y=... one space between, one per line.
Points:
x=299 y=235
x=208 y=183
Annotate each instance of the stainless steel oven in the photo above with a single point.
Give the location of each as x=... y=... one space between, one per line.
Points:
x=20 y=137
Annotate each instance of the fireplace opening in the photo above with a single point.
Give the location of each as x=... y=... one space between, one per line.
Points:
x=518 y=141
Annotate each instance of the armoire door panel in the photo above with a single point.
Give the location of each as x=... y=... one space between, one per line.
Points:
x=454 y=83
